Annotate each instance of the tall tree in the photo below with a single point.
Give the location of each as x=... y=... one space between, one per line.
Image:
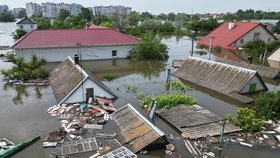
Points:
x=42 y=22
x=19 y=33
x=6 y=16
x=86 y=14
x=63 y=14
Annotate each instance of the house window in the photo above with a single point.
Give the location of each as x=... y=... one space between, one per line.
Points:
x=241 y=41
x=256 y=36
x=89 y=93
x=114 y=53
x=21 y=26
x=252 y=87
x=31 y=26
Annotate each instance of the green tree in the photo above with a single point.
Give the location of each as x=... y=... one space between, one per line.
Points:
x=63 y=14
x=99 y=19
x=21 y=13
x=107 y=24
x=146 y=15
x=42 y=22
x=150 y=25
x=171 y=16
x=133 y=18
x=167 y=27
x=19 y=33
x=7 y=16
x=246 y=119
x=267 y=105
x=277 y=27
x=25 y=71
x=86 y=14
x=149 y=48
x=59 y=24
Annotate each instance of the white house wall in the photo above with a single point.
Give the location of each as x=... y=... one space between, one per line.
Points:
x=87 y=53
x=27 y=27
x=264 y=35
x=254 y=79
x=77 y=95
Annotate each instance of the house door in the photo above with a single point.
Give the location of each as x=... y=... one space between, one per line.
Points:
x=89 y=93
x=252 y=87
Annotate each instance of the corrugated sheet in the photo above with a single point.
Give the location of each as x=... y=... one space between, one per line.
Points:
x=133 y=131
x=265 y=71
x=64 y=78
x=220 y=77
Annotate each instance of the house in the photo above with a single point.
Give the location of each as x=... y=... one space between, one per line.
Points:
x=71 y=83
x=232 y=35
x=274 y=59
x=92 y=44
x=134 y=131
x=26 y=24
x=227 y=79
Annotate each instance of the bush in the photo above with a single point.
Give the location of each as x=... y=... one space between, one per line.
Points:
x=169 y=100
x=267 y=105
x=109 y=76
x=246 y=120
x=149 y=48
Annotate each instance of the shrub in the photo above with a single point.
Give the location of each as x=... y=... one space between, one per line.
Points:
x=109 y=76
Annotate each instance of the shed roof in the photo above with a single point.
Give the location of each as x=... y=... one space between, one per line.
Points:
x=224 y=37
x=25 y=21
x=67 y=76
x=220 y=77
x=134 y=131
x=72 y=37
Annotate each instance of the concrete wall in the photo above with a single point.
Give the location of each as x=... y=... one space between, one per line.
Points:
x=77 y=95
x=87 y=53
x=264 y=35
x=255 y=79
x=27 y=27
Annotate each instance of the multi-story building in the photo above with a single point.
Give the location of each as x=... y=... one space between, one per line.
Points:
x=110 y=10
x=49 y=10
x=75 y=9
x=3 y=8
x=33 y=9
x=16 y=11
x=60 y=6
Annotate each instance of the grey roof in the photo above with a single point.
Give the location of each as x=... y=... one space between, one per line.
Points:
x=265 y=71
x=133 y=130
x=223 y=78
x=66 y=77
x=25 y=21
x=194 y=121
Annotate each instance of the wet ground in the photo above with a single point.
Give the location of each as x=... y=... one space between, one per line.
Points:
x=23 y=110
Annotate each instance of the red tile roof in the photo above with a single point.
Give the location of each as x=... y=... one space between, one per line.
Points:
x=72 y=37
x=224 y=37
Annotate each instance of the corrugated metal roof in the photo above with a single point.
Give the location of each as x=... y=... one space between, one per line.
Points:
x=220 y=77
x=67 y=76
x=224 y=37
x=134 y=131
x=72 y=37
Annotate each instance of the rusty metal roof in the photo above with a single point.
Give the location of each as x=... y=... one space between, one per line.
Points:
x=220 y=77
x=133 y=130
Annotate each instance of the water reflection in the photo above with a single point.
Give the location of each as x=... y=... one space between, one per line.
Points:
x=22 y=91
x=148 y=69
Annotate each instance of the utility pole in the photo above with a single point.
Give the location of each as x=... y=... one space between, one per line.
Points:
x=210 y=46
x=193 y=38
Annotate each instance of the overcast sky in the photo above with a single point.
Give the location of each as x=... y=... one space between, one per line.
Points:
x=166 y=6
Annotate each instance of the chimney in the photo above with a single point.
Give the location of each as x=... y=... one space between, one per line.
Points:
x=87 y=25
x=250 y=59
x=76 y=58
x=230 y=25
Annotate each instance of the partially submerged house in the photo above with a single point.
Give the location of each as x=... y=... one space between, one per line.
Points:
x=223 y=78
x=232 y=35
x=71 y=83
x=134 y=131
x=92 y=44
x=26 y=24
x=274 y=59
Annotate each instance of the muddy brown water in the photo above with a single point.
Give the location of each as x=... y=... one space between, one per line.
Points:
x=23 y=109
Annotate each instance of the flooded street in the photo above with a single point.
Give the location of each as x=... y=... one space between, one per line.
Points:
x=23 y=110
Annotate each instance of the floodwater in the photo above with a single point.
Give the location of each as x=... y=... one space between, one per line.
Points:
x=6 y=30
x=23 y=110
